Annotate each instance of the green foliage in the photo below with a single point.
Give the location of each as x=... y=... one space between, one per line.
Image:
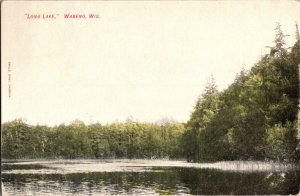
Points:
x=255 y=117
x=196 y=140
x=77 y=140
x=282 y=142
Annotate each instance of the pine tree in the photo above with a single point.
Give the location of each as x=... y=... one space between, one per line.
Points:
x=279 y=48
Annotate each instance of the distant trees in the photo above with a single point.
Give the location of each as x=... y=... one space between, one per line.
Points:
x=77 y=140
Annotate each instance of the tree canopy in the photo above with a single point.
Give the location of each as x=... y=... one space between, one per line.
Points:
x=255 y=118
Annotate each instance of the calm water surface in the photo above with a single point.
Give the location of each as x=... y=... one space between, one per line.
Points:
x=147 y=177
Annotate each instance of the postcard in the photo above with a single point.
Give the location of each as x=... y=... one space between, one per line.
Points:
x=150 y=97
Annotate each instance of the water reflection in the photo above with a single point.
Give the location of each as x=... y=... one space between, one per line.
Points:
x=207 y=181
x=153 y=180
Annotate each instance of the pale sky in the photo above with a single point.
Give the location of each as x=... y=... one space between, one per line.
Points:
x=147 y=59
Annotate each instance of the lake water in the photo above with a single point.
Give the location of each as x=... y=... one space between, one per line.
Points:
x=146 y=177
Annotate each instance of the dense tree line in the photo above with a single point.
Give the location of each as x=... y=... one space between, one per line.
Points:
x=255 y=118
x=77 y=140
